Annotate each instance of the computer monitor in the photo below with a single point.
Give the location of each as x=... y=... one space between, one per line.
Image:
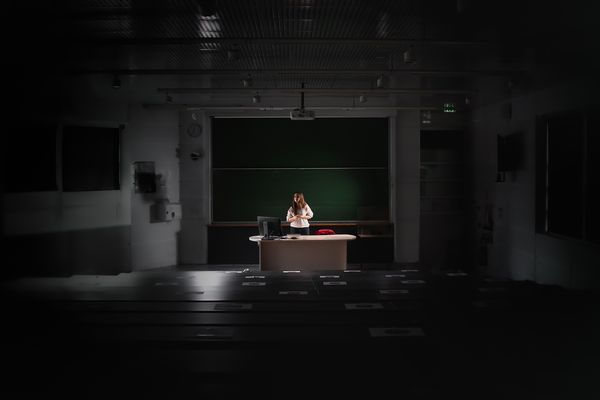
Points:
x=269 y=227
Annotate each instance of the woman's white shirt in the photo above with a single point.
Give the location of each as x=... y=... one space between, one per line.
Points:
x=300 y=223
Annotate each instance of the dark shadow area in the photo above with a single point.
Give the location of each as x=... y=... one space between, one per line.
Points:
x=91 y=251
x=402 y=333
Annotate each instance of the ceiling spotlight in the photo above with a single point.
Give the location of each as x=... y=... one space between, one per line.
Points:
x=379 y=81
x=116 y=82
x=247 y=82
x=426 y=117
x=409 y=55
x=232 y=54
x=256 y=98
x=362 y=98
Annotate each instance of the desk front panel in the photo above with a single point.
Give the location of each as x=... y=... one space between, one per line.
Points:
x=304 y=255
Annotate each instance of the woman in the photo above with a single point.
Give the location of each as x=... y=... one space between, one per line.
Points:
x=299 y=214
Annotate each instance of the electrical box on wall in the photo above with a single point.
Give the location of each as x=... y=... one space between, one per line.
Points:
x=164 y=211
x=145 y=177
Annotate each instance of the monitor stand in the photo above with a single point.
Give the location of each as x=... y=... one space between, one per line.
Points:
x=267 y=235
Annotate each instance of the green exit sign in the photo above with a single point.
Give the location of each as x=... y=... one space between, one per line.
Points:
x=449 y=108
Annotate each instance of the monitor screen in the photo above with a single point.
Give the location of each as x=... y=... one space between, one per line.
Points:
x=269 y=226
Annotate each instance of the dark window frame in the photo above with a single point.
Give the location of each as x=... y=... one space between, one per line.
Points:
x=71 y=180
x=545 y=153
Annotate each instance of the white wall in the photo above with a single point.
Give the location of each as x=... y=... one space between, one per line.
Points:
x=44 y=212
x=195 y=187
x=406 y=185
x=153 y=135
x=90 y=226
x=158 y=134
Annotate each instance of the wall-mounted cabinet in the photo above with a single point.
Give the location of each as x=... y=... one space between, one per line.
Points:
x=442 y=199
x=442 y=172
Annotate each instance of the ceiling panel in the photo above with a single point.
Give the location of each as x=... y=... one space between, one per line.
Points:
x=284 y=43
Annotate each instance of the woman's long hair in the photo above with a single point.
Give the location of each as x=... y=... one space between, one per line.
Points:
x=298 y=205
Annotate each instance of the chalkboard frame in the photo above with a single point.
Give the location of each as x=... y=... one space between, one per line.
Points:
x=340 y=186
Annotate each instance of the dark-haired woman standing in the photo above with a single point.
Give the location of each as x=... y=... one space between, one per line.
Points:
x=299 y=214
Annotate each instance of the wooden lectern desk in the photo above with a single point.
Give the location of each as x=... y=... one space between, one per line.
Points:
x=305 y=253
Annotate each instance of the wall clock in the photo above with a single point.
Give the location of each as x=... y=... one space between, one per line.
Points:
x=194 y=130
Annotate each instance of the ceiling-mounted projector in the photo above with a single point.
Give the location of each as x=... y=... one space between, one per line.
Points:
x=302 y=115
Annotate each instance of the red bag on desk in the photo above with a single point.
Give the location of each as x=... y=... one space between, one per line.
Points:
x=325 y=232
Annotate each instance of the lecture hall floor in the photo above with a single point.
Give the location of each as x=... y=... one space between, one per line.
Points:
x=329 y=334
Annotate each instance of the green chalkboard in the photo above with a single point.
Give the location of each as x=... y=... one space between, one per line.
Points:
x=259 y=163
x=281 y=142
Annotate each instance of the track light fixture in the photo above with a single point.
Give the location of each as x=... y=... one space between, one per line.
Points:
x=409 y=55
x=116 y=82
x=247 y=82
x=168 y=98
x=426 y=117
x=232 y=54
x=256 y=98
x=362 y=98
x=379 y=82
